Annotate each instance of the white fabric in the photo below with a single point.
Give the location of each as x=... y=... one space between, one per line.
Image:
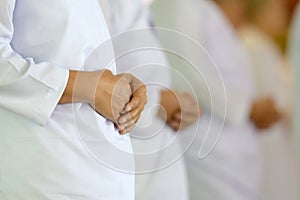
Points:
x=294 y=58
x=184 y=17
x=273 y=80
x=155 y=145
x=232 y=170
x=147 y=2
x=49 y=151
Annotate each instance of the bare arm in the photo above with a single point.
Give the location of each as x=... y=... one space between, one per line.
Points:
x=120 y=98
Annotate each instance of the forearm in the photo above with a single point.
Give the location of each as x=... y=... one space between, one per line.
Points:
x=169 y=104
x=81 y=87
x=109 y=95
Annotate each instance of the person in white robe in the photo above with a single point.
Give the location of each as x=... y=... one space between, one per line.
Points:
x=160 y=173
x=232 y=169
x=273 y=80
x=58 y=109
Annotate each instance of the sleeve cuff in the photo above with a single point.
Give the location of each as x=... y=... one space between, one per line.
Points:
x=49 y=103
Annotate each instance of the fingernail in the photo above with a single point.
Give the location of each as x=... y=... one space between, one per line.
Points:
x=122 y=133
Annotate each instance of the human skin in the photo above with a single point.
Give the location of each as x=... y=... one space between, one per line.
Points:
x=264 y=113
x=179 y=110
x=119 y=98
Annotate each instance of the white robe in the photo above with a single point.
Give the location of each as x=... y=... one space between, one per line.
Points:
x=273 y=80
x=232 y=170
x=294 y=58
x=156 y=146
x=50 y=151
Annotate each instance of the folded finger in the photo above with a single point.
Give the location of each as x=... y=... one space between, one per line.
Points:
x=128 y=123
x=127 y=130
x=131 y=115
x=174 y=125
x=134 y=102
x=177 y=116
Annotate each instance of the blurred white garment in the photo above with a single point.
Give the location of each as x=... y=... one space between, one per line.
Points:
x=232 y=170
x=160 y=175
x=148 y=2
x=273 y=79
x=294 y=58
x=50 y=151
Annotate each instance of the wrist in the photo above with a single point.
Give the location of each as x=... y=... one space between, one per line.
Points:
x=81 y=87
x=86 y=86
x=169 y=104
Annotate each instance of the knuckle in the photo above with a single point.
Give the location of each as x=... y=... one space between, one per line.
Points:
x=126 y=77
x=107 y=71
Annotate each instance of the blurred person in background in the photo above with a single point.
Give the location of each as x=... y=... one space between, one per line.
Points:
x=264 y=21
x=160 y=174
x=232 y=171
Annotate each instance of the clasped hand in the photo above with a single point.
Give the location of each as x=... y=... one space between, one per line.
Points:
x=264 y=113
x=120 y=98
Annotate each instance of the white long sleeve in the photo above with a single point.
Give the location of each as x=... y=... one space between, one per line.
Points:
x=27 y=88
x=40 y=41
